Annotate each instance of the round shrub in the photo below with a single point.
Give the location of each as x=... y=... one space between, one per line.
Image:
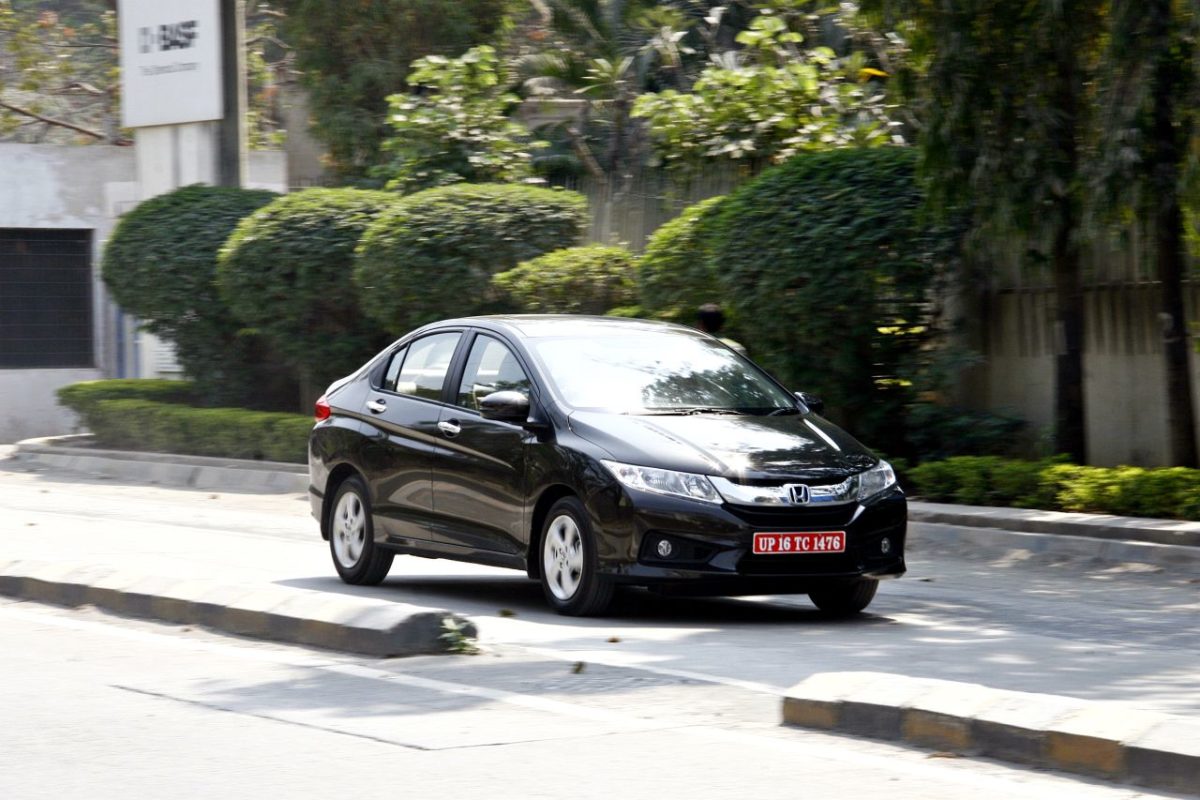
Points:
x=829 y=265
x=287 y=272
x=577 y=280
x=675 y=273
x=160 y=265
x=433 y=254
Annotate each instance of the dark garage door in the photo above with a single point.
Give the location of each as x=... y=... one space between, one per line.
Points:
x=45 y=298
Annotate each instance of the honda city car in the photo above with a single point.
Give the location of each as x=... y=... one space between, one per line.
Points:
x=592 y=452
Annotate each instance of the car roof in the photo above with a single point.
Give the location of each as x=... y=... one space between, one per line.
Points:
x=534 y=326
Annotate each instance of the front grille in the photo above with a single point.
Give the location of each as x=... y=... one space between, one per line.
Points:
x=797 y=517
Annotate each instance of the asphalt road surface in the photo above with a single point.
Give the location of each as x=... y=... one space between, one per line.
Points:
x=665 y=697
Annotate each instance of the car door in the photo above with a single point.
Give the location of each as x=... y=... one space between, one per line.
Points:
x=479 y=478
x=404 y=411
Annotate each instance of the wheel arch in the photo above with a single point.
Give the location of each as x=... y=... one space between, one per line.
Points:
x=549 y=496
x=337 y=476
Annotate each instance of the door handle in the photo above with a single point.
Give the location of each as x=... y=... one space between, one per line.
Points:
x=376 y=406
x=451 y=429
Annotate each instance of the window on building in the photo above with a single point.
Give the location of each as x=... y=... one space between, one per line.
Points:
x=45 y=298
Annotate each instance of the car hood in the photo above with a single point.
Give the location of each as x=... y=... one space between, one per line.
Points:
x=805 y=447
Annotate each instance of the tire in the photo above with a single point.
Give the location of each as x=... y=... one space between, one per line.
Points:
x=358 y=560
x=570 y=576
x=844 y=599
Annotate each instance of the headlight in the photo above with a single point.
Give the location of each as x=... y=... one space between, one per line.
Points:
x=664 y=481
x=875 y=480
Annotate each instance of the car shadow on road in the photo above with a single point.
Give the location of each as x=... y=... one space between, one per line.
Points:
x=519 y=596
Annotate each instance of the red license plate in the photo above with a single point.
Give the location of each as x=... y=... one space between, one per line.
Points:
x=778 y=543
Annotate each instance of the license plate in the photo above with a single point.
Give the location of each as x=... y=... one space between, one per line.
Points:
x=777 y=543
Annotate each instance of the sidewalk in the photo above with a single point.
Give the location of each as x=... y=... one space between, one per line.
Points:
x=192 y=580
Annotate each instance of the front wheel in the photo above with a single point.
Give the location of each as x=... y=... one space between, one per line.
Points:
x=356 y=557
x=845 y=599
x=570 y=578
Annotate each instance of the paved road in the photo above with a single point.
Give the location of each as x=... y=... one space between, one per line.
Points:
x=101 y=708
x=1117 y=633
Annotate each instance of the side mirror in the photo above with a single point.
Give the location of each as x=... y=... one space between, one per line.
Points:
x=507 y=406
x=814 y=403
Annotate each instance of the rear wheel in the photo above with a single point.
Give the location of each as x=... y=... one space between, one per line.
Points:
x=356 y=557
x=570 y=577
x=844 y=599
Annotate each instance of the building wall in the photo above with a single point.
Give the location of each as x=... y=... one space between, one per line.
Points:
x=89 y=187
x=1125 y=378
x=46 y=186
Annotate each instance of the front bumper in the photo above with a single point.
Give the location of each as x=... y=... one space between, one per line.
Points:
x=713 y=544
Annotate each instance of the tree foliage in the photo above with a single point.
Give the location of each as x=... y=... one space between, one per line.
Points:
x=771 y=100
x=828 y=264
x=356 y=53
x=58 y=73
x=433 y=254
x=160 y=265
x=455 y=126
x=287 y=273
x=578 y=280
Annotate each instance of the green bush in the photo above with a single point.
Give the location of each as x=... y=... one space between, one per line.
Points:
x=160 y=265
x=676 y=273
x=828 y=264
x=433 y=254
x=82 y=397
x=577 y=280
x=1172 y=493
x=154 y=415
x=287 y=272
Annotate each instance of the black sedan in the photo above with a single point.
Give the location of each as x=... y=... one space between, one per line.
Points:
x=591 y=452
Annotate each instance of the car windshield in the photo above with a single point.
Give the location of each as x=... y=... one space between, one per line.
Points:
x=657 y=372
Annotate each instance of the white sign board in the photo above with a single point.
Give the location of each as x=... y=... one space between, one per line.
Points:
x=170 y=61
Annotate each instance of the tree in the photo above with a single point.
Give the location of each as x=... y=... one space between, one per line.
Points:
x=768 y=102
x=455 y=126
x=355 y=54
x=1149 y=120
x=287 y=273
x=1006 y=122
x=58 y=79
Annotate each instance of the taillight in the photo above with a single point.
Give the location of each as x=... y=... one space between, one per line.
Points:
x=322 y=410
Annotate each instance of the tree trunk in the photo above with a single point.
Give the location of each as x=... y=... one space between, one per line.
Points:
x=1166 y=154
x=1070 y=435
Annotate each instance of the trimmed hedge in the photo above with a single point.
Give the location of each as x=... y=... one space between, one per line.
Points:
x=160 y=265
x=676 y=272
x=287 y=272
x=1168 y=493
x=432 y=255
x=828 y=264
x=150 y=415
x=577 y=280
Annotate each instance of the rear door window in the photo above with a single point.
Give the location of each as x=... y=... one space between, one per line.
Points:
x=424 y=368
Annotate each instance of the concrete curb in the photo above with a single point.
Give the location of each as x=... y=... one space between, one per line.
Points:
x=349 y=624
x=72 y=454
x=1102 y=740
x=1092 y=526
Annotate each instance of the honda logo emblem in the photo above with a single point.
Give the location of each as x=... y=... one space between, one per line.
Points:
x=800 y=494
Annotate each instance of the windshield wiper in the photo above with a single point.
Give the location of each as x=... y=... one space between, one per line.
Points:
x=686 y=411
x=786 y=410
